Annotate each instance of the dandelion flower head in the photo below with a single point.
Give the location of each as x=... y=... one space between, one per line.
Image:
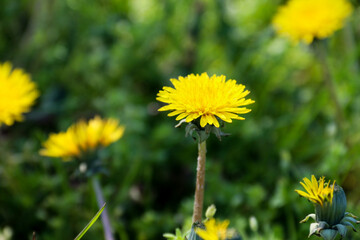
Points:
x=304 y=20
x=81 y=137
x=317 y=192
x=214 y=230
x=17 y=94
x=204 y=97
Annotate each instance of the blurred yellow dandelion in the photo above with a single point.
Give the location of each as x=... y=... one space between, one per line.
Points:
x=210 y=98
x=317 y=191
x=81 y=137
x=214 y=230
x=17 y=94
x=304 y=20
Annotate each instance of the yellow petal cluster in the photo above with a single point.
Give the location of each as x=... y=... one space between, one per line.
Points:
x=82 y=136
x=317 y=192
x=304 y=20
x=17 y=94
x=210 y=98
x=214 y=230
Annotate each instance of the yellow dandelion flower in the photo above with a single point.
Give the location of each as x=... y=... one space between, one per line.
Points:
x=304 y=20
x=81 y=137
x=214 y=231
x=210 y=98
x=17 y=94
x=317 y=191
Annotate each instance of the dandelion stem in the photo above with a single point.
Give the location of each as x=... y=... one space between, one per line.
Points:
x=200 y=183
x=104 y=216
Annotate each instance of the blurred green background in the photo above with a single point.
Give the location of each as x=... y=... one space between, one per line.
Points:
x=111 y=57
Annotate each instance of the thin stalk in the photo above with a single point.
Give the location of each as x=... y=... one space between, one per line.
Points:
x=104 y=216
x=329 y=83
x=351 y=48
x=321 y=50
x=200 y=183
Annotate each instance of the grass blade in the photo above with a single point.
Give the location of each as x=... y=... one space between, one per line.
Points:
x=93 y=220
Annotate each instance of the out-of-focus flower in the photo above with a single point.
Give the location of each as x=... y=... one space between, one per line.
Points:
x=17 y=94
x=253 y=223
x=209 y=98
x=6 y=233
x=81 y=137
x=330 y=205
x=304 y=20
x=214 y=230
x=210 y=211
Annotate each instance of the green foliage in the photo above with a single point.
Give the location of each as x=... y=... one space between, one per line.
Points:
x=111 y=58
x=177 y=236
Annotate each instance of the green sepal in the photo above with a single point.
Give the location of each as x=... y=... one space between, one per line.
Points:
x=328 y=234
x=311 y=215
x=93 y=161
x=313 y=229
x=350 y=219
x=316 y=228
x=347 y=223
x=201 y=134
x=341 y=229
x=198 y=134
x=350 y=215
x=218 y=133
x=193 y=235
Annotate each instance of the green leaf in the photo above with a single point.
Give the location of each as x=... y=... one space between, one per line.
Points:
x=178 y=233
x=93 y=220
x=169 y=236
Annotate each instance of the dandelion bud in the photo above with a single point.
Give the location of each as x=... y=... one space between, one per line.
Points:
x=330 y=204
x=210 y=211
x=253 y=224
x=333 y=212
